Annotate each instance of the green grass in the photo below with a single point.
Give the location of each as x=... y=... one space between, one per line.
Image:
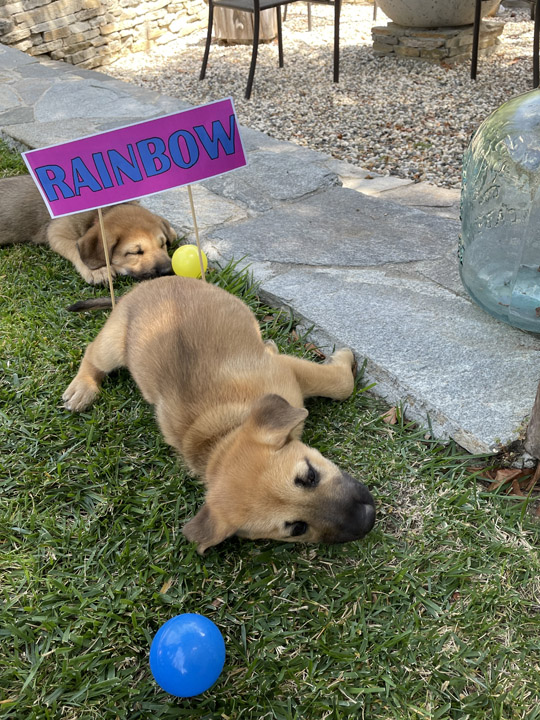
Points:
x=11 y=163
x=435 y=615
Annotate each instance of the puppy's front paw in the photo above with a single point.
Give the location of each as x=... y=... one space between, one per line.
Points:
x=80 y=394
x=97 y=277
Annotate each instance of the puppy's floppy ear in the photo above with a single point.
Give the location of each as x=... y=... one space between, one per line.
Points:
x=91 y=247
x=207 y=530
x=273 y=419
x=170 y=232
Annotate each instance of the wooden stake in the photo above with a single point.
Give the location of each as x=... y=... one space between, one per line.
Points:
x=106 y=251
x=201 y=263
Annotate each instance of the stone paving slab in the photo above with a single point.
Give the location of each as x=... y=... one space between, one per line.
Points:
x=212 y=210
x=427 y=348
x=361 y=268
x=271 y=178
x=425 y=196
x=340 y=228
x=444 y=202
x=375 y=184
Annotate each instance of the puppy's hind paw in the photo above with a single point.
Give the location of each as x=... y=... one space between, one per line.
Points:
x=79 y=395
x=344 y=364
x=343 y=356
x=271 y=347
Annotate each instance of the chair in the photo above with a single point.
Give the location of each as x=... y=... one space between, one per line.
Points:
x=256 y=7
x=308 y=15
x=535 y=11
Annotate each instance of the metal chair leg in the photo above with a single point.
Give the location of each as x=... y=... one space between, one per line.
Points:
x=337 y=13
x=536 y=45
x=476 y=38
x=279 y=35
x=256 y=28
x=208 y=39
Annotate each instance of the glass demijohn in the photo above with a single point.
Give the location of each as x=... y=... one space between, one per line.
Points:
x=499 y=249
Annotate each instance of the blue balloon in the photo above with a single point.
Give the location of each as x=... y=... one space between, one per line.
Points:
x=187 y=655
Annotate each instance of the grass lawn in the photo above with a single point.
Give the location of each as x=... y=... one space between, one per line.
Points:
x=435 y=615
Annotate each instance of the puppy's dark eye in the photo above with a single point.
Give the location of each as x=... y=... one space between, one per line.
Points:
x=310 y=479
x=139 y=251
x=298 y=527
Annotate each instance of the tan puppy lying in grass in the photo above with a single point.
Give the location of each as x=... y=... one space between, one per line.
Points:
x=136 y=238
x=233 y=407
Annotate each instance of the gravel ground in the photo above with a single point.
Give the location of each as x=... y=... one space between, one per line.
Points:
x=395 y=117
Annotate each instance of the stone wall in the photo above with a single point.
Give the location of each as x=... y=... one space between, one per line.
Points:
x=90 y=33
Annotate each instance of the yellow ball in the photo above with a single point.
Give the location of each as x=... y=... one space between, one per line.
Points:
x=185 y=261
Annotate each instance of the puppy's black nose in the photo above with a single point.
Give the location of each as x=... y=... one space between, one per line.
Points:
x=367 y=517
x=164 y=269
x=364 y=506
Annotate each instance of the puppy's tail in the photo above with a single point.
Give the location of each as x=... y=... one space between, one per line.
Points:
x=103 y=303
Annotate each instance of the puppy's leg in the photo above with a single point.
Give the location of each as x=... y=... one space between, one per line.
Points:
x=333 y=379
x=62 y=238
x=104 y=354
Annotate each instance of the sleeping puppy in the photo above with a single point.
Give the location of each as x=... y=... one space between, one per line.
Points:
x=234 y=408
x=136 y=238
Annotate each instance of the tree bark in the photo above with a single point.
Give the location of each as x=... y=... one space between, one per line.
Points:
x=236 y=26
x=532 y=438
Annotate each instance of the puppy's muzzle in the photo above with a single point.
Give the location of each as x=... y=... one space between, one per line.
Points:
x=161 y=269
x=352 y=515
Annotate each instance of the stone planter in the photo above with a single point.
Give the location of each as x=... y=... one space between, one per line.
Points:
x=434 y=13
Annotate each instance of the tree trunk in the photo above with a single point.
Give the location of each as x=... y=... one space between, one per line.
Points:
x=532 y=438
x=236 y=26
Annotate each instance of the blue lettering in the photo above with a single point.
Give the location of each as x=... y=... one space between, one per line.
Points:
x=191 y=147
x=152 y=154
x=51 y=177
x=219 y=137
x=102 y=169
x=121 y=165
x=82 y=177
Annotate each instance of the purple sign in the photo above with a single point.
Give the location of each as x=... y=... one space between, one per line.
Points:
x=138 y=160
